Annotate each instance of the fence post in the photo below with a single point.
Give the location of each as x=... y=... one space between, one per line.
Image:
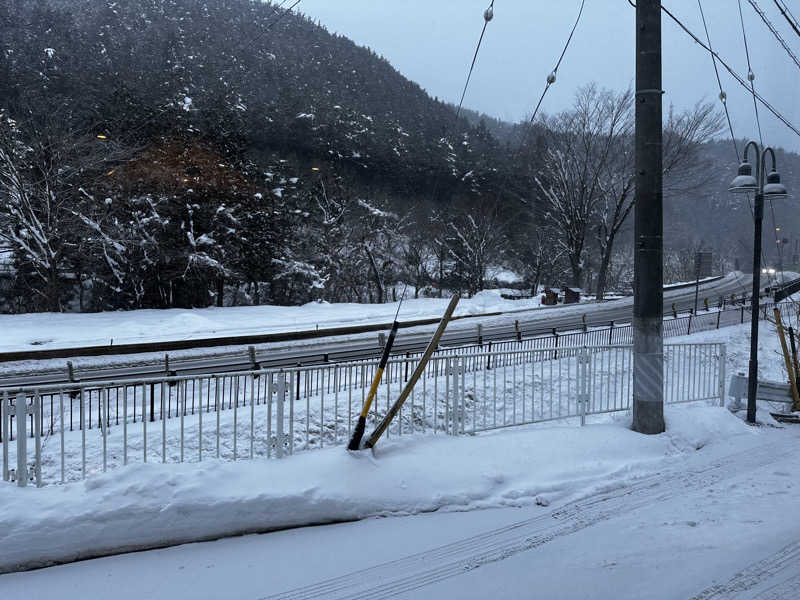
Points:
x=611 y=333
x=280 y=398
x=723 y=358
x=583 y=383
x=37 y=432
x=689 y=328
x=674 y=311
x=22 y=441
x=455 y=369
x=480 y=335
x=742 y=317
x=518 y=332
x=719 y=313
x=705 y=302
x=6 y=419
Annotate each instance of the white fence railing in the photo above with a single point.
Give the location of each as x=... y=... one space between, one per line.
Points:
x=83 y=428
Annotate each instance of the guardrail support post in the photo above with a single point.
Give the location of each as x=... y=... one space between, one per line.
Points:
x=480 y=335
x=517 y=331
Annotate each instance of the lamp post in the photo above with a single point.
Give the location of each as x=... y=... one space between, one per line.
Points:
x=769 y=187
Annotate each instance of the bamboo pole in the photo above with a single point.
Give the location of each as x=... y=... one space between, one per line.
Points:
x=787 y=359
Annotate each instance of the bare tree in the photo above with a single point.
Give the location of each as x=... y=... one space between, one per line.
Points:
x=473 y=241
x=584 y=142
x=683 y=135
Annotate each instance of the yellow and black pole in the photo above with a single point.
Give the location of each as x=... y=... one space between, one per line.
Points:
x=358 y=432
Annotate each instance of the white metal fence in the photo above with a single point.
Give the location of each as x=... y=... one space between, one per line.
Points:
x=83 y=428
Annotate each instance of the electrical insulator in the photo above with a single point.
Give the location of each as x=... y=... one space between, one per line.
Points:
x=551 y=79
x=723 y=96
x=750 y=76
x=488 y=14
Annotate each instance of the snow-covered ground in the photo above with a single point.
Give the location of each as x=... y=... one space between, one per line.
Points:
x=64 y=330
x=531 y=469
x=151 y=505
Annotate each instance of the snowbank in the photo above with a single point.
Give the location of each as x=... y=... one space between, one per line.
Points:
x=147 y=506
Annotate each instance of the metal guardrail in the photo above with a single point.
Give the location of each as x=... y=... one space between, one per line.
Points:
x=271 y=414
x=243 y=340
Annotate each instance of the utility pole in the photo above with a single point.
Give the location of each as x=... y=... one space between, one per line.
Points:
x=648 y=293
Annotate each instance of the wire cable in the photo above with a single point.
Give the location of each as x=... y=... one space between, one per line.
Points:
x=551 y=78
x=775 y=32
x=787 y=14
x=750 y=75
x=488 y=15
x=740 y=80
x=723 y=97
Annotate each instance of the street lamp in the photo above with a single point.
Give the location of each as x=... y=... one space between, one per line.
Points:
x=771 y=188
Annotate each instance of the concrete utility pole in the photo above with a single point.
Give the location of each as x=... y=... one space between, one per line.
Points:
x=648 y=294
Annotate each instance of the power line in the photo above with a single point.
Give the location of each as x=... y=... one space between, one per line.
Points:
x=488 y=15
x=787 y=14
x=750 y=75
x=740 y=80
x=551 y=78
x=723 y=97
x=774 y=31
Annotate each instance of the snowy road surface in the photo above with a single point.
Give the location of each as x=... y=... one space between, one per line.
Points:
x=717 y=524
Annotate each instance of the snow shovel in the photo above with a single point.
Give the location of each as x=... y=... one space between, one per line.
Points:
x=432 y=345
x=358 y=432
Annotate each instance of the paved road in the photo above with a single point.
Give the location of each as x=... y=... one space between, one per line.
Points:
x=716 y=526
x=532 y=322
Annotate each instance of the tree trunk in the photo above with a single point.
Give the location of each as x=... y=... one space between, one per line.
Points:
x=220 y=291
x=602 y=275
x=376 y=274
x=577 y=272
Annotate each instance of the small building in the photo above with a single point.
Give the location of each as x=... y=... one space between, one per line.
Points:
x=550 y=297
x=572 y=295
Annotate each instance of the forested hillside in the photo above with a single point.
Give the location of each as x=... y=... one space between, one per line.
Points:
x=183 y=153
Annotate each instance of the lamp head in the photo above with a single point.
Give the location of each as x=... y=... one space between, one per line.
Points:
x=744 y=181
x=774 y=189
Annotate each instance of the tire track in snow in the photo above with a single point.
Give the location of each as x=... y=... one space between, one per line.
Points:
x=759 y=573
x=418 y=570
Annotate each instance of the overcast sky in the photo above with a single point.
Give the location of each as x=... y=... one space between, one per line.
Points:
x=432 y=42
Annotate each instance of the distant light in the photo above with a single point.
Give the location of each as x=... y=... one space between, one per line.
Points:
x=315 y=168
x=102 y=137
x=185 y=180
x=777 y=229
x=111 y=172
